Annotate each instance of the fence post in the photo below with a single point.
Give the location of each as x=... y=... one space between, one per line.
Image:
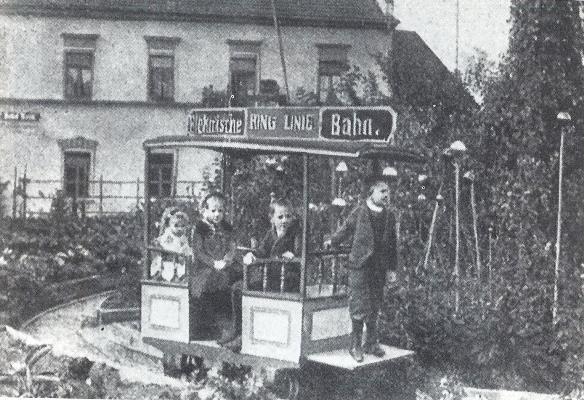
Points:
x=74 y=202
x=101 y=195
x=138 y=193
x=24 y=182
x=14 y=193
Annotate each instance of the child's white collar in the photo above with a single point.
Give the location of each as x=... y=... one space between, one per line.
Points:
x=373 y=207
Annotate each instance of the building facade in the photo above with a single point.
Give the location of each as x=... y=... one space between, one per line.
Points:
x=83 y=84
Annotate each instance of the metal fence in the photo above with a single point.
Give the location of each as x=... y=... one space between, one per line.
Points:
x=106 y=196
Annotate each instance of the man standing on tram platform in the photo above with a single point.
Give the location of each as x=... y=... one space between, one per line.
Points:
x=371 y=227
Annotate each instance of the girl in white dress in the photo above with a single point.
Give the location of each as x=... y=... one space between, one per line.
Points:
x=173 y=237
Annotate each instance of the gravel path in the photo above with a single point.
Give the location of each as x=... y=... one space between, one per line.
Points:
x=70 y=332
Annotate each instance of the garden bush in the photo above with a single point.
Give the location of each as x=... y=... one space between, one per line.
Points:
x=38 y=253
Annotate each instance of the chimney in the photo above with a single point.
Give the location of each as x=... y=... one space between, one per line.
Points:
x=387 y=6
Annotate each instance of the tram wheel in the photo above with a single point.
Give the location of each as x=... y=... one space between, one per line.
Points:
x=287 y=384
x=174 y=364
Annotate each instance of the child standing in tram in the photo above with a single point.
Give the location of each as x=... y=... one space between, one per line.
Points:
x=373 y=255
x=173 y=237
x=214 y=265
x=283 y=239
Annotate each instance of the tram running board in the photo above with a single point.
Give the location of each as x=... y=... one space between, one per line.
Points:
x=342 y=358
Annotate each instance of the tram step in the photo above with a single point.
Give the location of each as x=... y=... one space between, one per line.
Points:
x=342 y=358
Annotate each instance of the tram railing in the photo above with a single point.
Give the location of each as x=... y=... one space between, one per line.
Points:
x=274 y=277
x=265 y=273
x=167 y=266
x=329 y=278
x=326 y=276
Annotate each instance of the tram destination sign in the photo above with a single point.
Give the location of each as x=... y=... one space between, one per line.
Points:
x=375 y=124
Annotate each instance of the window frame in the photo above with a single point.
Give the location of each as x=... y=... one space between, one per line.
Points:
x=79 y=144
x=173 y=174
x=244 y=50
x=161 y=46
x=78 y=194
x=79 y=44
x=342 y=64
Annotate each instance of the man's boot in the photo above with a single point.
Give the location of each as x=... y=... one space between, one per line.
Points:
x=371 y=341
x=356 y=349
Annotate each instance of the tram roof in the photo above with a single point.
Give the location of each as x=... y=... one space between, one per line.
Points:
x=242 y=146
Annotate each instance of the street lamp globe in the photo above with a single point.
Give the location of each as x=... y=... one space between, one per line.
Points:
x=390 y=172
x=564 y=116
x=342 y=167
x=457 y=147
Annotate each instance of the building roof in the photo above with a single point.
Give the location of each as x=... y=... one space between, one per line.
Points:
x=420 y=78
x=340 y=13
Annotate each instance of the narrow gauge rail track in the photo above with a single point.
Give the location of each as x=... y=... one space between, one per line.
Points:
x=27 y=323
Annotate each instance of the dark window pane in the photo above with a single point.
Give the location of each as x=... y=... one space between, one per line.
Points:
x=166 y=189
x=70 y=189
x=166 y=173
x=78 y=75
x=161 y=78
x=243 y=65
x=153 y=189
x=161 y=158
x=70 y=173
x=243 y=85
x=79 y=60
x=160 y=174
x=158 y=62
x=76 y=171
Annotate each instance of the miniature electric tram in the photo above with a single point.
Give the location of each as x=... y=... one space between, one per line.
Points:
x=282 y=330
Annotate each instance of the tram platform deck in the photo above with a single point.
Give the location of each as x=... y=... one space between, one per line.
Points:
x=342 y=359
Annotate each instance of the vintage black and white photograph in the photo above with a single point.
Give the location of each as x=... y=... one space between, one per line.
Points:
x=292 y=199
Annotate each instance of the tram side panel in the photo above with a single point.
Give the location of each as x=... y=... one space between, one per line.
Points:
x=291 y=329
x=327 y=325
x=165 y=312
x=272 y=327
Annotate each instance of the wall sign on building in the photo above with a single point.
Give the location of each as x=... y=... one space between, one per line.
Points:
x=20 y=116
x=375 y=124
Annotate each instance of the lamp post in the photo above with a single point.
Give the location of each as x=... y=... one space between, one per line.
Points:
x=456 y=149
x=342 y=170
x=470 y=176
x=564 y=119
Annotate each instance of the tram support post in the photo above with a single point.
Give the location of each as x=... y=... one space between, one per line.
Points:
x=146 y=216
x=305 y=200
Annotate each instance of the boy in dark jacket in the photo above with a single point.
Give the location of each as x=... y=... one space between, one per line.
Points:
x=214 y=264
x=371 y=227
x=283 y=239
